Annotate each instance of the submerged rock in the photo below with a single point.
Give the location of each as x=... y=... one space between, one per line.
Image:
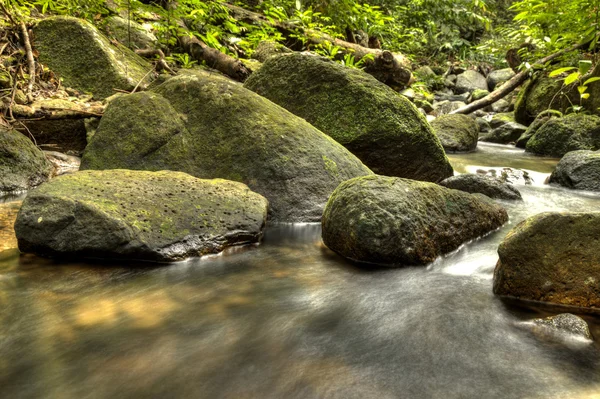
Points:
x=566 y=323
x=394 y=222
x=559 y=136
x=458 y=133
x=579 y=170
x=493 y=187
x=552 y=257
x=86 y=60
x=211 y=127
x=22 y=164
x=539 y=121
x=155 y=216
x=375 y=123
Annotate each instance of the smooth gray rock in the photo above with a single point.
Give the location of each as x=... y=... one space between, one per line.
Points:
x=469 y=81
x=578 y=170
x=493 y=187
x=499 y=76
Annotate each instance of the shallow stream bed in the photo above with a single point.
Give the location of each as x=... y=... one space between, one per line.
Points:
x=289 y=319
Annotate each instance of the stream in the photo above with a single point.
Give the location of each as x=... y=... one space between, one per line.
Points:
x=290 y=319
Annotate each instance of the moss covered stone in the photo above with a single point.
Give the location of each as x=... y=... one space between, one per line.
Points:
x=578 y=170
x=129 y=33
x=490 y=186
x=540 y=94
x=458 y=133
x=539 y=121
x=22 y=164
x=211 y=127
x=379 y=126
x=155 y=216
x=559 y=136
x=552 y=257
x=393 y=222
x=86 y=60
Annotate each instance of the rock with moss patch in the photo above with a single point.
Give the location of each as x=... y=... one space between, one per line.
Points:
x=458 y=133
x=579 y=170
x=552 y=257
x=470 y=81
x=129 y=33
x=394 y=222
x=22 y=164
x=211 y=127
x=478 y=94
x=536 y=124
x=378 y=125
x=505 y=134
x=155 y=216
x=540 y=94
x=492 y=187
x=86 y=60
x=267 y=49
x=502 y=118
x=571 y=133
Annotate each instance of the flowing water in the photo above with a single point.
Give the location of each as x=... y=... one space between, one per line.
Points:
x=289 y=319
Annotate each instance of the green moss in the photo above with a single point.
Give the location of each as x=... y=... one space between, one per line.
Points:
x=540 y=94
x=85 y=59
x=381 y=127
x=559 y=136
x=458 y=133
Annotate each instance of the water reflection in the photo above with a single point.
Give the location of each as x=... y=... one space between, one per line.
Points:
x=285 y=319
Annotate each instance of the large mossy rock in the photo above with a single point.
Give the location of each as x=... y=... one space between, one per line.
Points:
x=539 y=121
x=578 y=170
x=571 y=133
x=393 y=222
x=211 y=127
x=379 y=126
x=552 y=257
x=155 y=216
x=541 y=94
x=86 y=60
x=492 y=187
x=22 y=164
x=129 y=33
x=505 y=134
x=458 y=133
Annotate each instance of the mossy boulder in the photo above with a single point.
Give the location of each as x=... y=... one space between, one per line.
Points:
x=478 y=94
x=552 y=257
x=458 y=133
x=490 y=186
x=129 y=33
x=155 y=216
x=393 y=222
x=381 y=127
x=505 y=134
x=539 y=121
x=578 y=170
x=502 y=118
x=211 y=127
x=571 y=133
x=22 y=164
x=86 y=60
x=541 y=94
x=267 y=49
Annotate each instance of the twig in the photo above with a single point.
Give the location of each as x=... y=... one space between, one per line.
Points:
x=29 y=132
x=3 y=48
x=7 y=13
x=141 y=80
x=30 y=61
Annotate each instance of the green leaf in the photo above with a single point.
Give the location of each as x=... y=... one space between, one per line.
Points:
x=584 y=66
x=572 y=78
x=581 y=89
x=591 y=80
x=585 y=96
x=558 y=71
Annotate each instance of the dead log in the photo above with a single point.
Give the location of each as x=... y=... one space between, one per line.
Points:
x=393 y=69
x=513 y=83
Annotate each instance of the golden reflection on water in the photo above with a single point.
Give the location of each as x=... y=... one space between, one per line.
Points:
x=8 y=215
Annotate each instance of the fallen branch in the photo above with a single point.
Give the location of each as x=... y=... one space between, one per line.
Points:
x=162 y=63
x=513 y=83
x=29 y=112
x=30 y=61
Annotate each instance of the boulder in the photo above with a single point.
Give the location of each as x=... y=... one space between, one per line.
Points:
x=499 y=76
x=502 y=119
x=501 y=105
x=86 y=60
x=129 y=33
x=22 y=164
x=155 y=216
x=559 y=136
x=493 y=187
x=483 y=124
x=393 y=222
x=267 y=49
x=445 y=107
x=565 y=323
x=505 y=134
x=552 y=257
x=539 y=121
x=470 y=81
x=378 y=125
x=478 y=94
x=579 y=170
x=211 y=127
x=424 y=72
x=541 y=94
x=458 y=133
